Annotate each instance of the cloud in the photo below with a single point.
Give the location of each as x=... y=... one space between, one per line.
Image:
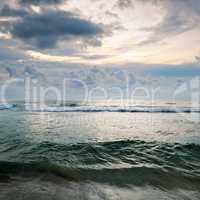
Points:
x=45 y=30
x=180 y=16
x=7 y=11
x=112 y=14
x=40 y=2
x=7 y=53
x=170 y=26
x=187 y=70
x=11 y=71
x=5 y=36
x=197 y=58
x=122 y=4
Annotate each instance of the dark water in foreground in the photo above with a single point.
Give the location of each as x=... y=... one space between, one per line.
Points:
x=99 y=156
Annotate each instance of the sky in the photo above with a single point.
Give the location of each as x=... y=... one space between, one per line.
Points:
x=149 y=39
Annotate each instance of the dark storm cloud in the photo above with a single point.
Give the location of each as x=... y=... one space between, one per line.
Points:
x=40 y=2
x=7 y=11
x=46 y=29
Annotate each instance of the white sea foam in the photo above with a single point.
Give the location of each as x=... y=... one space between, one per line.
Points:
x=6 y=106
x=109 y=109
x=98 y=108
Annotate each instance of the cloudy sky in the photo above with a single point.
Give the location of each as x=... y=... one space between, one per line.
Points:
x=158 y=37
x=101 y=31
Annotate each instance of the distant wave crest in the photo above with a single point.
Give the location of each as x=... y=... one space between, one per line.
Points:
x=94 y=108
x=6 y=106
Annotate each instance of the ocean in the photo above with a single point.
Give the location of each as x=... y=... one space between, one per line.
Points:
x=98 y=151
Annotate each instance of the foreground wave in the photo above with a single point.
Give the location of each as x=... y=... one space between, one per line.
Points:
x=163 y=178
x=120 y=163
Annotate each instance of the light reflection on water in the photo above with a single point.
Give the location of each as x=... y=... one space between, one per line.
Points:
x=99 y=127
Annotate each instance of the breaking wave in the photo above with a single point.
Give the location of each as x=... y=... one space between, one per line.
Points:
x=88 y=108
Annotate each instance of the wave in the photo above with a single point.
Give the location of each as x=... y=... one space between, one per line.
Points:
x=116 y=109
x=121 y=163
x=116 y=154
x=88 y=108
x=6 y=106
x=167 y=178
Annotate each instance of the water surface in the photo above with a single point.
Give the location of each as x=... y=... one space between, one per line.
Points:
x=99 y=155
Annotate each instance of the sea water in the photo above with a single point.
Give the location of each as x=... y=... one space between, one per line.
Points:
x=99 y=152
